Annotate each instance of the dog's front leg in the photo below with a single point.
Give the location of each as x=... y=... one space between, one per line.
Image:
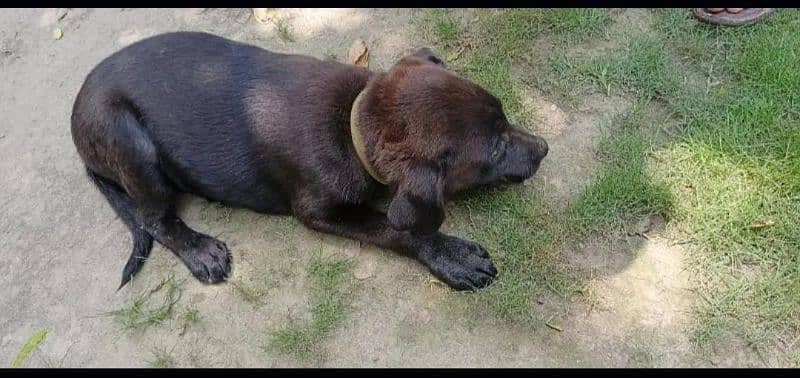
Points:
x=462 y=264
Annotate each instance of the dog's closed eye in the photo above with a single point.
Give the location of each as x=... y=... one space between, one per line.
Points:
x=427 y=54
x=500 y=146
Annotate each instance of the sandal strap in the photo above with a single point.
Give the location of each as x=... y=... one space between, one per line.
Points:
x=746 y=17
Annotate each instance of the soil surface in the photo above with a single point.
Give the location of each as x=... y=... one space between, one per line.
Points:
x=64 y=249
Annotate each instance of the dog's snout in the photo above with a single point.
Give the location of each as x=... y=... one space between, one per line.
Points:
x=537 y=147
x=528 y=154
x=541 y=147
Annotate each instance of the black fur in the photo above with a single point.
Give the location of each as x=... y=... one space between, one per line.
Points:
x=194 y=113
x=124 y=207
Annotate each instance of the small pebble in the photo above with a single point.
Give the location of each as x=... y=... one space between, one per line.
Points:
x=644 y=226
x=365 y=268
x=58 y=33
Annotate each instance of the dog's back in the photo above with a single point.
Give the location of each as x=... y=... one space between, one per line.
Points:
x=201 y=106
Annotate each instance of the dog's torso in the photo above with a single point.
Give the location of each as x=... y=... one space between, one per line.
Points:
x=238 y=124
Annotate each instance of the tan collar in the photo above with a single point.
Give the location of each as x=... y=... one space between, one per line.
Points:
x=358 y=139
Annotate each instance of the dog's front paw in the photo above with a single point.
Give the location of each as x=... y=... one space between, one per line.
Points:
x=461 y=264
x=208 y=259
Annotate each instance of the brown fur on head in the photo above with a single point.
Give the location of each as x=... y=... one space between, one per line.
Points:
x=429 y=133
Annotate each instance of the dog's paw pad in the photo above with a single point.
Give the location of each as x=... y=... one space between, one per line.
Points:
x=209 y=261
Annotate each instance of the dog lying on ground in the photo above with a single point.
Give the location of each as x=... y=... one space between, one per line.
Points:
x=190 y=112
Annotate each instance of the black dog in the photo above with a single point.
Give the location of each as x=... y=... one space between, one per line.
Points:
x=293 y=135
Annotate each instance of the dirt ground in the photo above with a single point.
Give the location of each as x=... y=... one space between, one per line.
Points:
x=64 y=249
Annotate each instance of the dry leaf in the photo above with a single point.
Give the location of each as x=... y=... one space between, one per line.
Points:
x=762 y=224
x=263 y=15
x=58 y=33
x=554 y=326
x=62 y=12
x=453 y=56
x=358 y=53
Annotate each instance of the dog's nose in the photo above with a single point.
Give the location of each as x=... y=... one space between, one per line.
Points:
x=541 y=148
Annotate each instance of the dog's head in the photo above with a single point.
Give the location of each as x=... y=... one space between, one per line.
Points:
x=430 y=133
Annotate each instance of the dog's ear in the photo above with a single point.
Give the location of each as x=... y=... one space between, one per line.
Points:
x=418 y=203
x=427 y=54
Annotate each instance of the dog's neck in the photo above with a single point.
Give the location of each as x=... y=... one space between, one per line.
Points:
x=358 y=138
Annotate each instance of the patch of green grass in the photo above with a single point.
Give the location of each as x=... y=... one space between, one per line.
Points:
x=332 y=279
x=641 y=354
x=145 y=311
x=191 y=316
x=523 y=235
x=298 y=340
x=38 y=336
x=645 y=69
x=446 y=30
x=330 y=297
x=576 y=23
x=247 y=292
x=506 y=39
x=734 y=169
x=161 y=358
x=724 y=200
x=492 y=70
x=741 y=161
x=486 y=50
x=623 y=189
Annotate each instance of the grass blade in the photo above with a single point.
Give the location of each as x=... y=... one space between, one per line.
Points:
x=29 y=346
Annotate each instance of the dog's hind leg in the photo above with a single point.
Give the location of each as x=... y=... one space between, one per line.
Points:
x=124 y=207
x=124 y=163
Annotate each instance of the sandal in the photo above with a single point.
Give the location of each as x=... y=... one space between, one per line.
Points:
x=732 y=16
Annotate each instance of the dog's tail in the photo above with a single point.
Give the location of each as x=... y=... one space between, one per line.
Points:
x=124 y=207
